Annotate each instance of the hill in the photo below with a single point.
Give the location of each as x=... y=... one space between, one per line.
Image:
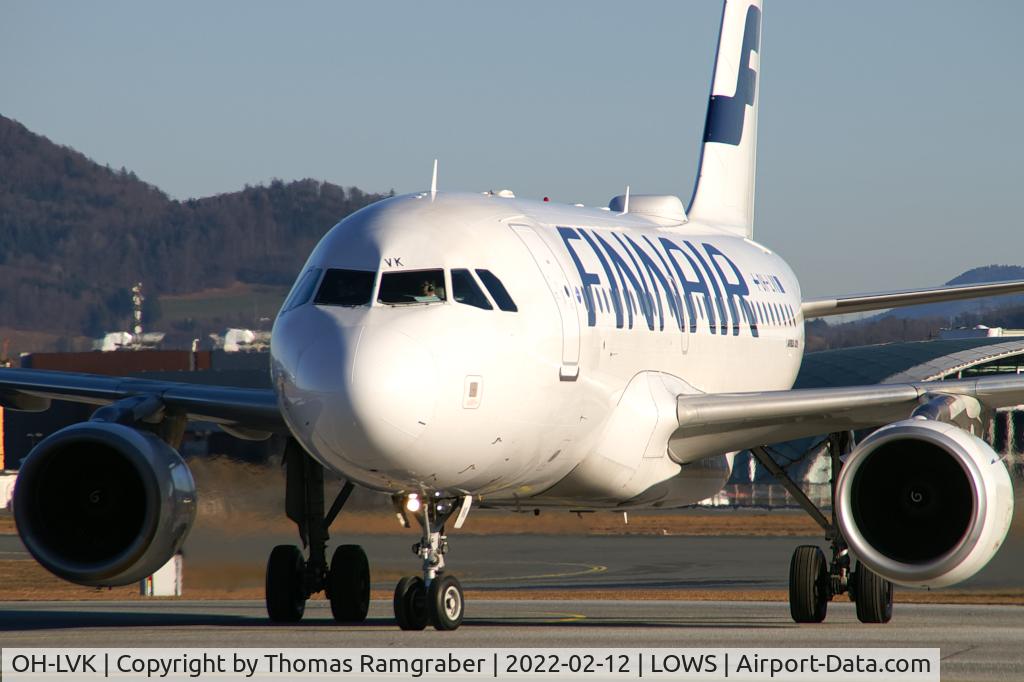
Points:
x=76 y=235
x=953 y=309
x=922 y=322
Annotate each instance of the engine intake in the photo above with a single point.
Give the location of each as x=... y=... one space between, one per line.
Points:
x=924 y=503
x=103 y=504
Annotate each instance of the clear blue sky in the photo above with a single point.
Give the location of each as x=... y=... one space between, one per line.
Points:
x=891 y=141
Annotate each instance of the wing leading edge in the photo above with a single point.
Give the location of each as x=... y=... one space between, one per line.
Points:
x=250 y=408
x=727 y=422
x=823 y=307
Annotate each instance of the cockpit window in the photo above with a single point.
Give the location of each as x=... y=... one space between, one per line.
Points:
x=416 y=286
x=466 y=290
x=346 y=288
x=303 y=290
x=497 y=290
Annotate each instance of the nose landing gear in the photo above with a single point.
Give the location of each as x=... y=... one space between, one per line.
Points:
x=436 y=597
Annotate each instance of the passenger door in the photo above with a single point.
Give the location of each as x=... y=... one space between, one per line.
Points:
x=562 y=291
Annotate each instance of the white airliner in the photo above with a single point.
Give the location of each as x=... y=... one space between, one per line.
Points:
x=478 y=349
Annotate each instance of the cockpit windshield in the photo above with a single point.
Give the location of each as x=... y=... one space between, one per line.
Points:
x=345 y=288
x=465 y=290
x=415 y=286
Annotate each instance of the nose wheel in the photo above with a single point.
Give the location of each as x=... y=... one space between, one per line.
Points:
x=410 y=603
x=436 y=598
x=444 y=603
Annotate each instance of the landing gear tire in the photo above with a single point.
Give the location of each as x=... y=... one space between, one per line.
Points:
x=285 y=592
x=809 y=585
x=348 y=584
x=410 y=603
x=873 y=596
x=445 y=602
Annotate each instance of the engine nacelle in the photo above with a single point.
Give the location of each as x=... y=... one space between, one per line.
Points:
x=924 y=503
x=103 y=504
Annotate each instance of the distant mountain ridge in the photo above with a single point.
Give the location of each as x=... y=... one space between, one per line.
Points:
x=954 y=309
x=76 y=235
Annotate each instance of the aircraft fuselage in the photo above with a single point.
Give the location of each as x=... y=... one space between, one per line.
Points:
x=430 y=393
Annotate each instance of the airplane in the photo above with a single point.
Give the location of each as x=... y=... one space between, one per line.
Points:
x=457 y=349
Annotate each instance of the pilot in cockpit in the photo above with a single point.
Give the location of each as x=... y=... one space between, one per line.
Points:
x=429 y=292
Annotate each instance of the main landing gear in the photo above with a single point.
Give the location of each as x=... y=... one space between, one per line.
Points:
x=293 y=578
x=436 y=598
x=815 y=580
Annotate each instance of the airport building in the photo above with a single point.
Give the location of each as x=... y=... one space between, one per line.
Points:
x=960 y=357
x=22 y=430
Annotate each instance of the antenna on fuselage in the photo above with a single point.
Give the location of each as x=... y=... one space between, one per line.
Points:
x=433 y=181
x=625 y=202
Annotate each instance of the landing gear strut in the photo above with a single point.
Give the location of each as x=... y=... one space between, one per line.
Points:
x=814 y=581
x=436 y=597
x=293 y=578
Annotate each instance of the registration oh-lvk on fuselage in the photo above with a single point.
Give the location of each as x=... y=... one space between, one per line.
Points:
x=456 y=349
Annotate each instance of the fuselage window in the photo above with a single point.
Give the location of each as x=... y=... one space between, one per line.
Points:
x=345 y=288
x=497 y=291
x=465 y=290
x=303 y=290
x=412 y=286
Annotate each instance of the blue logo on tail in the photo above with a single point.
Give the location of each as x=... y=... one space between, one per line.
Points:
x=725 y=114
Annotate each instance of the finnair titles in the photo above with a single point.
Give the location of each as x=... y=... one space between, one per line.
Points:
x=698 y=277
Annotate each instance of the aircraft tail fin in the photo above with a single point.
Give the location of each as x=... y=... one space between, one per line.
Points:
x=724 y=192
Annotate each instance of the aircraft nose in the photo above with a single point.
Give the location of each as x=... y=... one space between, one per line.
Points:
x=392 y=393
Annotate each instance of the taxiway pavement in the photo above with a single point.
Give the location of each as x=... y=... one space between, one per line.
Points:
x=976 y=642
x=545 y=562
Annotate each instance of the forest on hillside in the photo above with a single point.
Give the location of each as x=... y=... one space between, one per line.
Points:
x=75 y=236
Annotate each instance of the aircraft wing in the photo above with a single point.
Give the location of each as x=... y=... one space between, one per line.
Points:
x=726 y=422
x=250 y=408
x=823 y=307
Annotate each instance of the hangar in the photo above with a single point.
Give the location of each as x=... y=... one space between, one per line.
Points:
x=890 y=363
x=941 y=359
x=893 y=363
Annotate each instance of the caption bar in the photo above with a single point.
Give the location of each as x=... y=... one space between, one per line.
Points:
x=469 y=664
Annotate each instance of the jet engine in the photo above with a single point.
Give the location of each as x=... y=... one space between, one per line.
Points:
x=103 y=504
x=924 y=503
